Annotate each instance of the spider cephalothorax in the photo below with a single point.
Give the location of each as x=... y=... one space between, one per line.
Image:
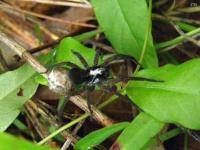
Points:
x=91 y=76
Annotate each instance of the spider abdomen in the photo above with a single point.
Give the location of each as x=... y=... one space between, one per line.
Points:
x=59 y=81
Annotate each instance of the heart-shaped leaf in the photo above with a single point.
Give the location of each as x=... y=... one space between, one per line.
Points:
x=176 y=100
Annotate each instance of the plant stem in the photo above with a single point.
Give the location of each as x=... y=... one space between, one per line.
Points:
x=184 y=26
x=63 y=128
x=148 y=29
x=178 y=39
x=185 y=141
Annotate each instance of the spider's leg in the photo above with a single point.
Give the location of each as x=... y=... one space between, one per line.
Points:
x=62 y=64
x=100 y=97
x=88 y=91
x=116 y=57
x=88 y=103
x=142 y=79
x=125 y=79
x=96 y=58
x=109 y=89
x=81 y=58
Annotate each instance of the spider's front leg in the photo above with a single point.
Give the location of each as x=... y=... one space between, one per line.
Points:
x=126 y=79
x=89 y=89
x=63 y=65
x=96 y=57
x=111 y=88
x=81 y=58
x=109 y=61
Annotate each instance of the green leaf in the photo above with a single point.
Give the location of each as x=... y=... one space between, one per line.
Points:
x=99 y=136
x=8 y=142
x=125 y=22
x=176 y=100
x=82 y=37
x=16 y=87
x=41 y=80
x=64 y=52
x=138 y=133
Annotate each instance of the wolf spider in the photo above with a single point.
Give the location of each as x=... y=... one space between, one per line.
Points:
x=95 y=75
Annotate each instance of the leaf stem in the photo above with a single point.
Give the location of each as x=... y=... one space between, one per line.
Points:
x=185 y=141
x=146 y=37
x=178 y=39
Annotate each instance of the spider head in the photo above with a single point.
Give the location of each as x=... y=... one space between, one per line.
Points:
x=97 y=75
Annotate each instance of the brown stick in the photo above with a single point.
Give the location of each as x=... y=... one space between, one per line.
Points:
x=102 y=118
x=60 y=3
x=23 y=54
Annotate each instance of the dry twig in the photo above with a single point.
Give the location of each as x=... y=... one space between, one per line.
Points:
x=5 y=6
x=39 y=108
x=75 y=131
x=60 y=3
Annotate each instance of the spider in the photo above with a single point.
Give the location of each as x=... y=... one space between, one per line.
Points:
x=89 y=77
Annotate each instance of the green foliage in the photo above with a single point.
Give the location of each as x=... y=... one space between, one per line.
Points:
x=125 y=22
x=64 y=49
x=8 y=142
x=176 y=100
x=64 y=52
x=98 y=136
x=41 y=80
x=16 y=87
x=139 y=132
